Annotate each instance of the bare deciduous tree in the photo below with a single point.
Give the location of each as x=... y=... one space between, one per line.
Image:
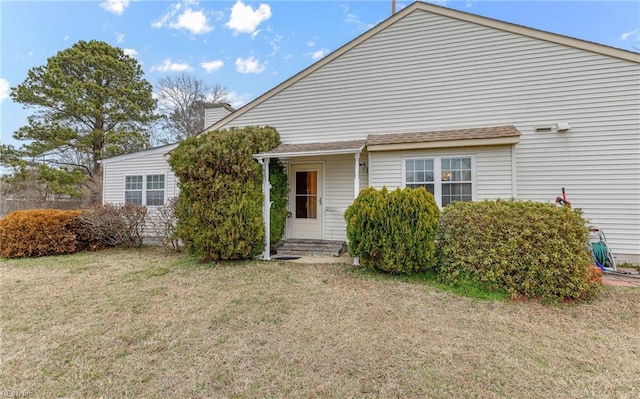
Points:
x=181 y=99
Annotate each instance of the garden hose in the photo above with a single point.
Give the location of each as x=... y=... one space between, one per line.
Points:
x=600 y=252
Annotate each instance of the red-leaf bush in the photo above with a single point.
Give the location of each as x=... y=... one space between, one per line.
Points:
x=38 y=232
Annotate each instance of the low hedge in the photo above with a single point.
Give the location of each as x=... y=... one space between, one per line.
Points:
x=38 y=232
x=530 y=249
x=393 y=231
x=114 y=225
x=45 y=232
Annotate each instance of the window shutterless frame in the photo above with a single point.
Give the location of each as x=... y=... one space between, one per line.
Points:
x=448 y=177
x=148 y=190
x=133 y=189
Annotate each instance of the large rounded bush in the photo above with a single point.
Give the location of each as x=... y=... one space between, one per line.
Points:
x=38 y=232
x=393 y=231
x=219 y=214
x=530 y=249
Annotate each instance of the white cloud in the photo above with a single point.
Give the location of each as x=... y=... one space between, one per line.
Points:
x=4 y=89
x=169 y=66
x=115 y=6
x=249 y=65
x=130 y=52
x=119 y=37
x=212 y=66
x=275 y=45
x=237 y=100
x=316 y=55
x=310 y=43
x=245 y=19
x=179 y=17
x=163 y=20
x=629 y=34
x=66 y=38
x=354 y=19
x=194 y=21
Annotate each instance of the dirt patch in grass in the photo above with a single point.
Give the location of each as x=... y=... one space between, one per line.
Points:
x=151 y=324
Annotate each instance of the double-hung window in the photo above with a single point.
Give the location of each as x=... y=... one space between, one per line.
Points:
x=133 y=190
x=144 y=190
x=447 y=178
x=155 y=190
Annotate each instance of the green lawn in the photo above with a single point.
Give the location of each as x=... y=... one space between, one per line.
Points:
x=149 y=324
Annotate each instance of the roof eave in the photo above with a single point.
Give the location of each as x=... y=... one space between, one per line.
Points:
x=299 y=154
x=420 y=145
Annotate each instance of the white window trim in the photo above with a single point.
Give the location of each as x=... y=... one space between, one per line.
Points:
x=437 y=171
x=144 y=189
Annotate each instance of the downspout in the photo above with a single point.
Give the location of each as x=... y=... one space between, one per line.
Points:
x=266 y=207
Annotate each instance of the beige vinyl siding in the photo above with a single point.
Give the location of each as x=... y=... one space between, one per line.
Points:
x=492 y=168
x=214 y=114
x=338 y=194
x=148 y=163
x=431 y=72
x=599 y=167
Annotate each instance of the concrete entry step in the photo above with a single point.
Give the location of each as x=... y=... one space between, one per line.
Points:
x=302 y=247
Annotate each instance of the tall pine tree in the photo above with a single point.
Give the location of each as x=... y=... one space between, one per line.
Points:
x=91 y=102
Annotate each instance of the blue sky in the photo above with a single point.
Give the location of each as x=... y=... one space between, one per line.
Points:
x=250 y=46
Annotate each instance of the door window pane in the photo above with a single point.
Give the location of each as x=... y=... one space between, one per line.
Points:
x=307 y=194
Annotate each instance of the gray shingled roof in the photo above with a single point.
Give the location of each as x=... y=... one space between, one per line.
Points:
x=396 y=138
x=444 y=135
x=318 y=147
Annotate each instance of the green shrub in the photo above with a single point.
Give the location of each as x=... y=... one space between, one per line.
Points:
x=279 y=199
x=114 y=225
x=528 y=248
x=38 y=232
x=393 y=231
x=220 y=208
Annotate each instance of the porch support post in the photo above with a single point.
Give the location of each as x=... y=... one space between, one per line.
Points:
x=356 y=180
x=356 y=191
x=266 y=209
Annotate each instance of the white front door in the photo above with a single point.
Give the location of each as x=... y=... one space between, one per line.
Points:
x=306 y=201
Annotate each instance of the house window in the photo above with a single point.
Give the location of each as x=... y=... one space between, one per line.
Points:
x=133 y=190
x=155 y=190
x=456 y=180
x=420 y=173
x=147 y=190
x=447 y=178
